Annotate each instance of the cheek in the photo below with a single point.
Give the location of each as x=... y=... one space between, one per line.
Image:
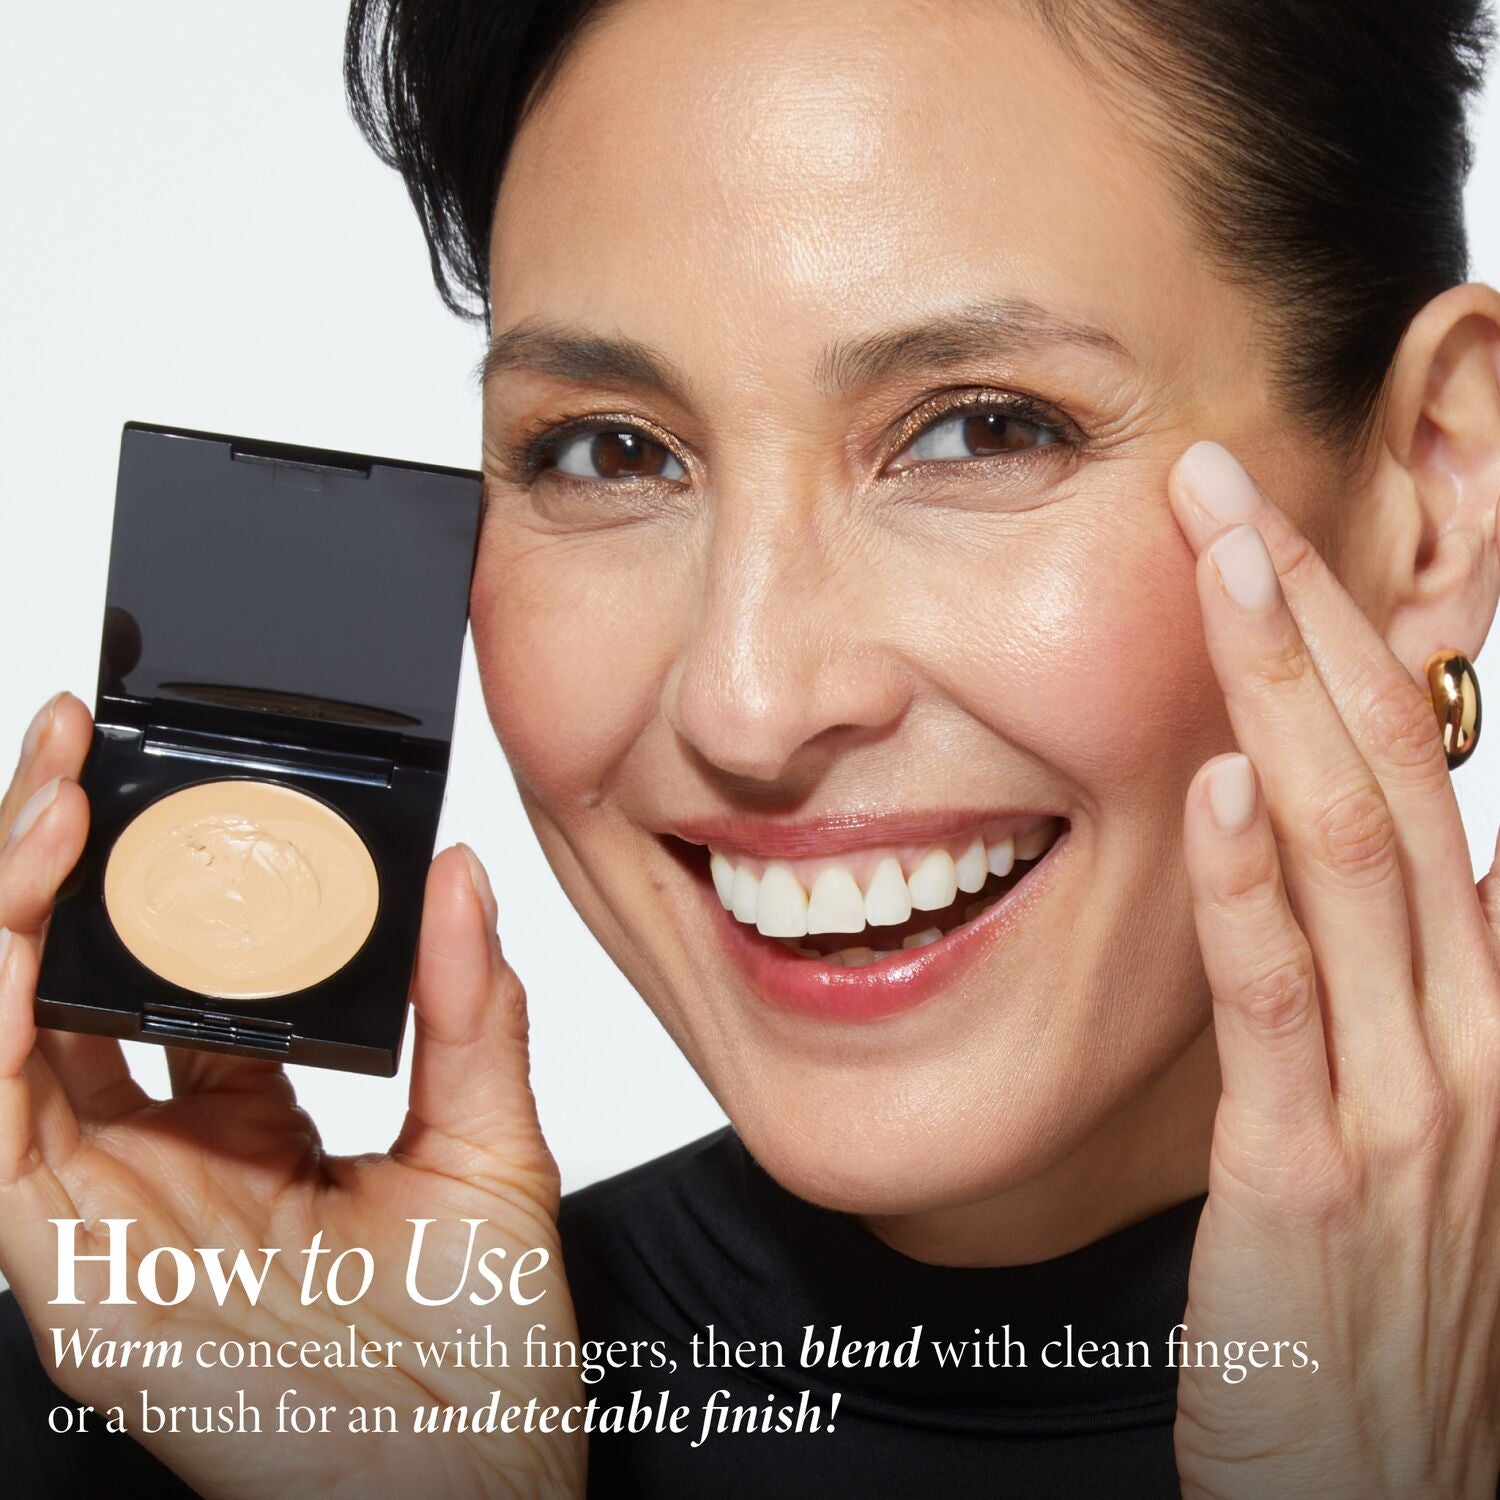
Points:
x=571 y=653
x=1096 y=663
x=1135 y=627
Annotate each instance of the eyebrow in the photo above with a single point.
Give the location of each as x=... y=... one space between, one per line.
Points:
x=989 y=326
x=572 y=354
x=995 y=325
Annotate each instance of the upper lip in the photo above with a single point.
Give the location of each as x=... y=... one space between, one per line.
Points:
x=834 y=833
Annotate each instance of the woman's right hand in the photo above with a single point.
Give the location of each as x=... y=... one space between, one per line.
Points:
x=231 y=1161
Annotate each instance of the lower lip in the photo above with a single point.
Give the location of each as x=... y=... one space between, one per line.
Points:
x=905 y=980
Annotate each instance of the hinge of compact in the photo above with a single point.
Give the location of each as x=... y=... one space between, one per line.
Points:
x=216 y=1029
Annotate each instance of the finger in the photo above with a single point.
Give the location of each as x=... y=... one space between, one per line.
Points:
x=38 y=1128
x=1489 y=893
x=1273 y=1059
x=39 y=1134
x=193 y=1071
x=93 y=1073
x=45 y=841
x=1336 y=833
x=1388 y=714
x=55 y=745
x=471 y=1110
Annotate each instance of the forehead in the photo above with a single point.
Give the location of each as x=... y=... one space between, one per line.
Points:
x=737 y=177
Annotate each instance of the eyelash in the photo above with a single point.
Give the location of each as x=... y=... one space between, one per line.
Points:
x=544 y=438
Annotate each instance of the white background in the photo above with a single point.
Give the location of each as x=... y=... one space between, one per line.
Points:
x=195 y=235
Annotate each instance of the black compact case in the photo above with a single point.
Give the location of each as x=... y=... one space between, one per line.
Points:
x=288 y=615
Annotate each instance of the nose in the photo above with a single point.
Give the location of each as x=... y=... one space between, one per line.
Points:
x=790 y=658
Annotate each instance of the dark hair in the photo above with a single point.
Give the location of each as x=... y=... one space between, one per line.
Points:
x=1321 y=146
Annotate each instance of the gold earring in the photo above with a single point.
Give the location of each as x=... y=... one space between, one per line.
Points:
x=1454 y=687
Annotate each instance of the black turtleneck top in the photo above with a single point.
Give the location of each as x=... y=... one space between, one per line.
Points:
x=703 y=1236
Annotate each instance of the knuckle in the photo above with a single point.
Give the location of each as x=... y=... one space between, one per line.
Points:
x=1247 y=884
x=509 y=1000
x=1282 y=663
x=1354 y=835
x=1328 y=1192
x=1405 y=727
x=1417 y=1126
x=509 y=991
x=1292 y=553
x=1277 y=996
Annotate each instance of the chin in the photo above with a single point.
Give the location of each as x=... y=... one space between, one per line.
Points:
x=991 y=1119
x=869 y=1165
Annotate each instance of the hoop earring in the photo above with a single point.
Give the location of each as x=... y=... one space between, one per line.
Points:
x=1454 y=688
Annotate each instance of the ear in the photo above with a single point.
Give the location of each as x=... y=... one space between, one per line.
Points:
x=1424 y=543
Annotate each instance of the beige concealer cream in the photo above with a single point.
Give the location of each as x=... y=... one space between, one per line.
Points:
x=241 y=890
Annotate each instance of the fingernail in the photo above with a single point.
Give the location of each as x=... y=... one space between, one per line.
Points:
x=35 y=805
x=38 y=727
x=1231 y=794
x=1217 y=480
x=482 y=887
x=1244 y=565
x=4 y=947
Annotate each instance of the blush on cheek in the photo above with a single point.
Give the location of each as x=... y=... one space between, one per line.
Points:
x=1142 y=669
x=1098 y=664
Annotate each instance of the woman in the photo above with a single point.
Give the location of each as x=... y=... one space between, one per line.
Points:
x=972 y=492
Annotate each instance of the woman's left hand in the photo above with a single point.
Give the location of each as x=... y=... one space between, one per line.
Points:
x=1354 y=1187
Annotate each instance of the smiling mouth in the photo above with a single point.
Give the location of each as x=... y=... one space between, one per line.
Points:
x=863 y=906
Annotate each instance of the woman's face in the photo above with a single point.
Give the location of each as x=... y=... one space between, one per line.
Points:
x=869 y=557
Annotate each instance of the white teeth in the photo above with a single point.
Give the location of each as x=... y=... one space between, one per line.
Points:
x=856 y=958
x=781 y=906
x=1029 y=845
x=922 y=939
x=836 y=904
x=744 y=895
x=888 y=900
x=971 y=867
x=778 y=904
x=723 y=874
x=934 y=883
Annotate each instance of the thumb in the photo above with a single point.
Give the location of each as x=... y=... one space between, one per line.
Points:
x=471 y=1113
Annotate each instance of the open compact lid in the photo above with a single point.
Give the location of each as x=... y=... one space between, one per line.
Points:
x=308 y=585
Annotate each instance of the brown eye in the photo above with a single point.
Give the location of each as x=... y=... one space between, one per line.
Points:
x=979 y=434
x=617 y=454
x=992 y=433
